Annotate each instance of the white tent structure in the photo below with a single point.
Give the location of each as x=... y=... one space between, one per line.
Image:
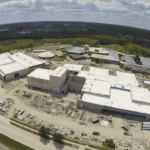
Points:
x=46 y=55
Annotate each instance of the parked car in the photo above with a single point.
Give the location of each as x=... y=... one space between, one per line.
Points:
x=95 y=121
x=132 y=124
x=84 y=134
x=96 y=133
x=125 y=128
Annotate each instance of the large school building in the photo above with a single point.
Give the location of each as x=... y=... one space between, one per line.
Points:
x=16 y=65
x=99 y=89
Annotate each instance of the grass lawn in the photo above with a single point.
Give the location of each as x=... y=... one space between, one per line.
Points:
x=71 y=145
x=58 y=59
x=116 y=47
x=27 y=125
x=53 y=47
x=12 y=144
x=67 y=60
x=21 y=127
x=94 y=147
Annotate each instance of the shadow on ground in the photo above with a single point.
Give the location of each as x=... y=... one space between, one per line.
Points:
x=44 y=141
x=58 y=146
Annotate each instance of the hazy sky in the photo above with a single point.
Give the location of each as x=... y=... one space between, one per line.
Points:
x=123 y=12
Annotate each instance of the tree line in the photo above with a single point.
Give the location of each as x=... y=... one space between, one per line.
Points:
x=95 y=40
x=134 y=49
x=21 y=44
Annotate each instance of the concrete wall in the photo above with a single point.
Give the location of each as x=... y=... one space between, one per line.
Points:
x=64 y=89
x=89 y=106
x=39 y=83
x=108 y=61
x=147 y=118
x=75 y=83
x=1 y=76
x=11 y=76
x=78 y=79
x=124 y=111
x=73 y=86
x=143 y=103
x=97 y=108
x=56 y=82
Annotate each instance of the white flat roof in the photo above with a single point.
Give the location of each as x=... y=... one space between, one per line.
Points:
x=59 y=71
x=140 y=94
x=86 y=75
x=2 y=74
x=73 y=67
x=46 y=54
x=4 y=55
x=116 y=101
x=25 y=60
x=97 y=87
x=121 y=78
x=42 y=50
x=147 y=82
x=41 y=74
x=103 y=56
x=93 y=73
x=12 y=67
x=98 y=50
x=120 y=96
x=5 y=61
x=98 y=71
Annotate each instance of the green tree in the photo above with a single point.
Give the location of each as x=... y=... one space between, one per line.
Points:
x=44 y=132
x=64 y=56
x=121 y=66
x=51 y=89
x=97 y=60
x=134 y=71
x=101 y=61
x=137 y=59
x=145 y=73
x=90 y=53
x=105 y=148
x=58 y=138
x=127 y=69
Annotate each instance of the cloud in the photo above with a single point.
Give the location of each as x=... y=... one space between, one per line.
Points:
x=124 y=12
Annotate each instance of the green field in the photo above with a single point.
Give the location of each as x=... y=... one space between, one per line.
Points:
x=53 y=47
x=116 y=47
